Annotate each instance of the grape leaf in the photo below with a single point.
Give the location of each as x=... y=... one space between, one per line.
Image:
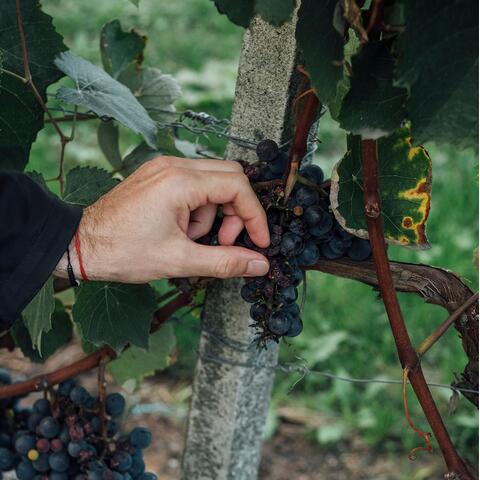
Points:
x=85 y=185
x=143 y=153
x=59 y=335
x=120 y=49
x=136 y=363
x=275 y=12
x=405 y=175
x=239 y=12
x=115 y=314
x=439 y=65
x=373 y=107
x=37 y=315
x=108 y=135
x=21 y=117
x=107 y=97
x=322 y=46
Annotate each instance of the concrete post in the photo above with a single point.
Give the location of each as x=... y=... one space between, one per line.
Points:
x=231 y=391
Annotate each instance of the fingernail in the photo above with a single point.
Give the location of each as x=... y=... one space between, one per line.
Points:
x=256 y=268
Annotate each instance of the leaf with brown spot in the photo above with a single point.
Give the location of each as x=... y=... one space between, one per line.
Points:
x=405 y=174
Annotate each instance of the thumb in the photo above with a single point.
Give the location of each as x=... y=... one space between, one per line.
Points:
x=225 y=262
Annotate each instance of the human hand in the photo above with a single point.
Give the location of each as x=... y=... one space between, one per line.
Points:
x=144 y=229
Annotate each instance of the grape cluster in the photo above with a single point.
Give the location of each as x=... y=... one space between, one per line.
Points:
x=302 y=229
x=64 y=437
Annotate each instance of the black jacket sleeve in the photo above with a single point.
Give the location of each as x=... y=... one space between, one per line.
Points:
x=35 y=230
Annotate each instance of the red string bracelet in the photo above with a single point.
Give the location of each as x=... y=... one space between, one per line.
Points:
x=80 y=260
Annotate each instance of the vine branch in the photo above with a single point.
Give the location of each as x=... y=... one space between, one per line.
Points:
x=407 y=355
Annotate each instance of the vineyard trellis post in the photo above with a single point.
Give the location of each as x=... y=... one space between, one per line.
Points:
x=230 y=402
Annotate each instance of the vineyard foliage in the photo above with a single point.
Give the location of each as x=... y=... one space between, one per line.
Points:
x=415 y=83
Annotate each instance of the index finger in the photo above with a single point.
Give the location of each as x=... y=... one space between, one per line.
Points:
x=235 y=189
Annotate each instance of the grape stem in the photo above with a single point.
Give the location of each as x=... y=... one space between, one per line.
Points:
x=306 y=118
x=407 y=355
x=105 y=354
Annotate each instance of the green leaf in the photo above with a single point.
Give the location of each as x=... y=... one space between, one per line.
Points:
x=120 y=49
x=322 y=46
x=21 y=117
x=239 y=12
x=136 y=363
x=108 y=135
x=59 y=335
x=373 y=107
x=104 y=95
x=115 y=314
x=405 y=176
x=157 y=93
x=37 y=314
x=143 y=153
x=275 y=12
x=85 y=185
x=439 y=65
x=135 y=2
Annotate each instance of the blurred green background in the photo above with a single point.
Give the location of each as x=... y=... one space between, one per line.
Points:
x=346 y=329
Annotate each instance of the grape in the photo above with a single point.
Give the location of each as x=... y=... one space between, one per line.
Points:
x=310 y=254
x=7 y=459
x=337 y=245
x=291 y=245
x=58 y=476
x=296 y=276
x=267 y=150
x=115 y=404
x=328 y=253
x=5 y=440
x=296 y=326
x=296 y=226
x=78 y=395
x=64 y=435
x=359 y=250
x=112 y=428
x=248 y=292
x=313 y=215
x=287 y=295
x=41 y=465
x=59 y=461
x=49 y=427
x=140 y=437
x=313 y=173
x=25 y=470
x=24 y=443
x=121 y=461
x=66 y=387
x=278 y=323
x=279 y=163
x=42 y=405
x=148 y=476
x=42 y=445
x=258 y=310
x=138 y=466
x=74 y=448
x=33 y=421
x=306 y=196
x=56 y=445
x=322 y=229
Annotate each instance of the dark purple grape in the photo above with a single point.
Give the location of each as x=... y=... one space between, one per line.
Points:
x=41 y=465
x=278 y=323
x=56 y=445
x=321 y=230
x=287 y=295
x=296 y=326
x=121 y=461
x=74 y=448
x=79 y=395
x=5 y=440
x=292 y=309
x=296 y=276
x=279 y=164
x=328 y=253
x=138 y=466
x=33 y=420
x=7 y=459
x=313 y=173
x=58 y=476
x=306 y=196
x=338 y=245
x=258 y=310
x=267 y=150
x=49 y=427
x=66 y=387
x=42 y=445
x=140 y=437
x=59 y=461
x=24 y=443
x=25 y=470
x=42 y=405
x=360 y=249
x=115 y=404
x=296 y=226
x=249 y=292
x=292 y=244
x=314 y=214
x=310 y=254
